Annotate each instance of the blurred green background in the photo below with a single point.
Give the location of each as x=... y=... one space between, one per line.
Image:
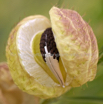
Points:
x=12 y=11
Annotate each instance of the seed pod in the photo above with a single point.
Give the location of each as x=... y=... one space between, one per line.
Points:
x=48 y=58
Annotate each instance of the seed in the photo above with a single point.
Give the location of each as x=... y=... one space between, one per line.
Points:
x=47 y=39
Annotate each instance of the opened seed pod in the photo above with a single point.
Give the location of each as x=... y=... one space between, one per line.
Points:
x=47 y=58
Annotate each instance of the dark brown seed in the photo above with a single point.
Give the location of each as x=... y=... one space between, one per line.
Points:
x=47 y=39
x=41 y=45
x=54 y=56
x=51 y=51
x=42 y=50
